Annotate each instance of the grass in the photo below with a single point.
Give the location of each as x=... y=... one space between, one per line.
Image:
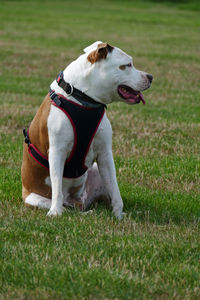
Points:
x=154 y=252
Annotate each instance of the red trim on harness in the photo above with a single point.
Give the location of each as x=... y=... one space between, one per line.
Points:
x=29 y=150
x=75 y=134
x=74 y=130
x=72 y=160
x=74 y=103
x=92 y=140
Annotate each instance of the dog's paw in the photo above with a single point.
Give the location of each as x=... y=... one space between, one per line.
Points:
x=121 y=216
x=55 y=212
x=118 y=211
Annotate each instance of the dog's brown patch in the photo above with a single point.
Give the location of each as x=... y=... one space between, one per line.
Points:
x=100 y=53
x=33 y=175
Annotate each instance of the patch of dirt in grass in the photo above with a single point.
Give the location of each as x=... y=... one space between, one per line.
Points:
x=26 y=293
x=17 y=110
x=136 y=137
x=29 y=61
x=15 y=117
x=173 y=182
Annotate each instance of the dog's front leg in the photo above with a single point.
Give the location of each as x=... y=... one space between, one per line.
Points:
x=107 y=171
x=56 y=166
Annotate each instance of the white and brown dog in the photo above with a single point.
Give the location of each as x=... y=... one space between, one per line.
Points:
x=68 y=160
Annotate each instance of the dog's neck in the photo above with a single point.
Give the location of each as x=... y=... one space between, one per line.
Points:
x=58 y=90
x=78 y=95
x=79 y=74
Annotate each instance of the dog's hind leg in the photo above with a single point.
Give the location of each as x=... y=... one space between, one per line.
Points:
x=95 y=189
x=37 y=200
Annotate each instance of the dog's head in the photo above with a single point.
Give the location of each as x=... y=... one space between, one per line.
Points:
x=107 y=74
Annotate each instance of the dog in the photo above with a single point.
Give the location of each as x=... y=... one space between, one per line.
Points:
x=67 y=155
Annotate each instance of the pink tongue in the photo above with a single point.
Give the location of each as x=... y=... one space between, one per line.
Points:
x=132 y=96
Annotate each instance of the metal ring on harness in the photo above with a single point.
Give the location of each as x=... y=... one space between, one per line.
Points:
x=71 y=87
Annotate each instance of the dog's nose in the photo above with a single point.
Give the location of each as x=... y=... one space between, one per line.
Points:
x=150 y=77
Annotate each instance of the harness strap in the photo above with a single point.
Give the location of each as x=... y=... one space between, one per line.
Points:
x=85 y=122
x=77 y=94
x=34 y=152
x=26 y=140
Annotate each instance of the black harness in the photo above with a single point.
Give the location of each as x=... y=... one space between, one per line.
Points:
x=85 y=120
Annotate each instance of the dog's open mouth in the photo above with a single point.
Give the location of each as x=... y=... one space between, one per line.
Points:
x=130 y=95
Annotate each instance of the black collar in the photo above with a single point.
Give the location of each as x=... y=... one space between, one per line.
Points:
x=70 y=90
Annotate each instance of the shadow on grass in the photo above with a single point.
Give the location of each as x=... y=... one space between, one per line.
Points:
x=160 y=207
x=144 y=204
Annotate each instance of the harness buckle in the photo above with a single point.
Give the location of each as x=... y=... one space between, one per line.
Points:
x=52 y=94
x=26 y=137
x=66 y=86
x=59 y=78
x=69 y=89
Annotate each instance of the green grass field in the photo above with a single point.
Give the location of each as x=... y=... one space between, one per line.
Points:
x=154 y=253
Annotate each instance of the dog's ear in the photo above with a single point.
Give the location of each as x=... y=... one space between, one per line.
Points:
x=92 y=47
x=100 y=53
x=109 y=47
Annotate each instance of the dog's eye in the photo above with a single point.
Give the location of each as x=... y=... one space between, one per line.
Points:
x=123 y=67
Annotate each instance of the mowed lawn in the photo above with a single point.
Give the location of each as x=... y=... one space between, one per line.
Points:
x=154 y=253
